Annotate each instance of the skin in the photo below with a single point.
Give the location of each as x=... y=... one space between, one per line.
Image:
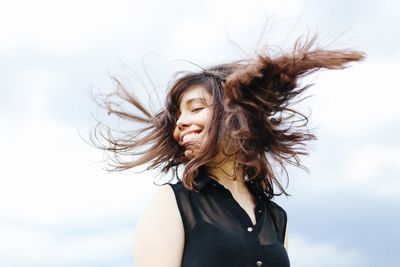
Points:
x=159 y=230
x=195 y=111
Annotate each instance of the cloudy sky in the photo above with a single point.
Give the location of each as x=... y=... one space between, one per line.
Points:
x=59 y=207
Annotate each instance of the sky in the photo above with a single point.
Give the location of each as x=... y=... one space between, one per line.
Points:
x=60 y=207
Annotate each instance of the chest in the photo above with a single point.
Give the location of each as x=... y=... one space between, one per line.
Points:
x=233 y=232
x=248 y=204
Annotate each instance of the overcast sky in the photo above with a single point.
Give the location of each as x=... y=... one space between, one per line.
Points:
x=59 y=207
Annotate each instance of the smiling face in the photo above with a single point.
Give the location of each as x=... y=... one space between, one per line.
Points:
x=194 y=117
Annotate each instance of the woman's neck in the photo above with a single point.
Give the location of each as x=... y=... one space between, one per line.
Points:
x=229 y=174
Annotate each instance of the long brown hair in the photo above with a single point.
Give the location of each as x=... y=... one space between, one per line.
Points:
x=252 y=108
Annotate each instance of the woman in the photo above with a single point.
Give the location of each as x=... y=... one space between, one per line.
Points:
x=228 y=126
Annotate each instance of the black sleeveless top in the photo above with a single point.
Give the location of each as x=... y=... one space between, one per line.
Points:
x=219 y=232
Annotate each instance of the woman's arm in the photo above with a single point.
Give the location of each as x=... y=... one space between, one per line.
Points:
x=159 y=234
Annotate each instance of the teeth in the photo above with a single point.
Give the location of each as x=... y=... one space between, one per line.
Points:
x=189 y=136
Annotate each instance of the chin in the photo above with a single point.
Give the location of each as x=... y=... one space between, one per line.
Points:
x=192 y=150
x=190 y=154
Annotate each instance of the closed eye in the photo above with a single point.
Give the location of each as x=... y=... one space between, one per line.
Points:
x=196 y=109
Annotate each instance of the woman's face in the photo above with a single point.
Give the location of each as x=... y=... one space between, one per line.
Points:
x=194 y=117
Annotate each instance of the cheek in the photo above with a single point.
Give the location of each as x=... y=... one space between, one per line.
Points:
x=175 y=134
x=207 y=118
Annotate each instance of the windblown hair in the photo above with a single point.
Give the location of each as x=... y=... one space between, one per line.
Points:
x=252 y=102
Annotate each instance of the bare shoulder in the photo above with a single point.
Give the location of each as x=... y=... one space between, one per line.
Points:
x=159 y=231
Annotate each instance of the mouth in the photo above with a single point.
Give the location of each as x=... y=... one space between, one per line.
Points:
x=192 y=138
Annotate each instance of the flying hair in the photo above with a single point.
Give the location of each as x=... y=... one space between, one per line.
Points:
x=252 y=108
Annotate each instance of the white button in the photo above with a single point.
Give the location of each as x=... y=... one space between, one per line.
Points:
x=259 y=263
x=259 y=211
x=250 y=229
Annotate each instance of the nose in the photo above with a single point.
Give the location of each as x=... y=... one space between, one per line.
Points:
x=182 y=122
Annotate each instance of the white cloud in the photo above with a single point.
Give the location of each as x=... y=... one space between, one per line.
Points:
x=220 y=23
x=52 y=189
x=355 y=117
x=307 y=253
x=64 y=26
x=377 y=169
x=349 y=102
x=49 y=176
x=23 y=246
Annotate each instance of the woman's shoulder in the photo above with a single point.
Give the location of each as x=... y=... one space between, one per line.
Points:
x=178 y=187
x=162 y=197
x=277 y=210
x=162 y=204
x=159 y=230
x=276 y=205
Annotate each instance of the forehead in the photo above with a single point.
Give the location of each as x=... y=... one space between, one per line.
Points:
x=193 y=95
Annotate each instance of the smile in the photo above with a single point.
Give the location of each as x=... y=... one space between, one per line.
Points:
x=190 y=137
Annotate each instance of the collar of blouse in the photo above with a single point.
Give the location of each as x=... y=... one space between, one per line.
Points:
x=203 y=181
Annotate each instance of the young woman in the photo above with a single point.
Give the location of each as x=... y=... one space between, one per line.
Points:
x=229 y=127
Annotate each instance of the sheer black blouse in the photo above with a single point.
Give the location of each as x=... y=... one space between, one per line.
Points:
x=219 y=232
